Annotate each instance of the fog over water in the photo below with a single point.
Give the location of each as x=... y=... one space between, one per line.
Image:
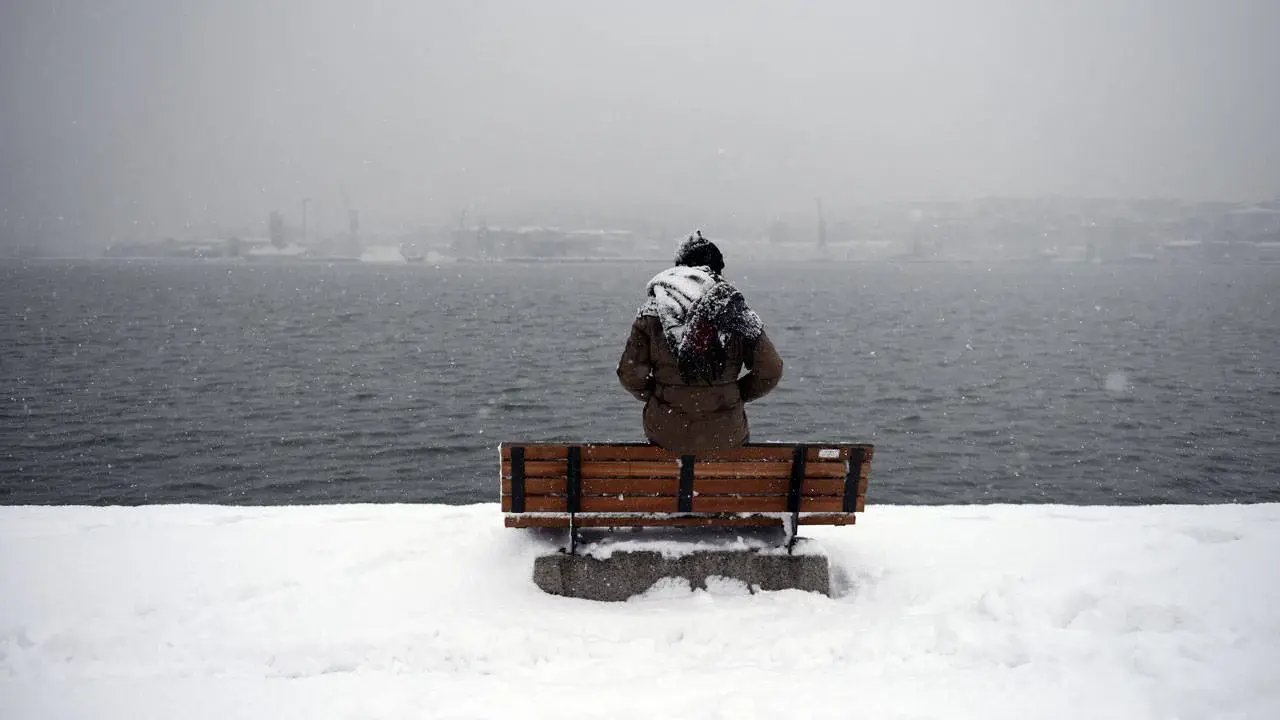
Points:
x=149 y=117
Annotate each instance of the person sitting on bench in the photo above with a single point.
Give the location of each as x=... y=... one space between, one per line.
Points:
x=689 y=342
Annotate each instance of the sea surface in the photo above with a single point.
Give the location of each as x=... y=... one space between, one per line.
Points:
x=210 y=382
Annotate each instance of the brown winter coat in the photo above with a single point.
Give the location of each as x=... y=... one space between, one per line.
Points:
x=695 y=419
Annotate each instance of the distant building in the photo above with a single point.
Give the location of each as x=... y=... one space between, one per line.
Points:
x=540 y=243
x=275 y=229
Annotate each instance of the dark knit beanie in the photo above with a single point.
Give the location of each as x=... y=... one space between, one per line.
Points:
x=697 y=251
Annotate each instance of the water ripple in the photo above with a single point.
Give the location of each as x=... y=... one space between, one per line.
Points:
x=170 y=382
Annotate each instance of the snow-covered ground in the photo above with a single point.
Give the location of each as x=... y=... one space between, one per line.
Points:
x=375 y=611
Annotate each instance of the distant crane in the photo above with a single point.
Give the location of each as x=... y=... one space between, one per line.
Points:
x=275 y=228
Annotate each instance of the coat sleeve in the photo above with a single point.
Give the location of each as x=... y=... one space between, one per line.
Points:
x=636 y=367
x=765 y=366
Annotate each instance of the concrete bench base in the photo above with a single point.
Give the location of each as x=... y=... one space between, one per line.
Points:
x=627 y=573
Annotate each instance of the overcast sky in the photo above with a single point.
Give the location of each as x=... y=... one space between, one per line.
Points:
x=166 y=112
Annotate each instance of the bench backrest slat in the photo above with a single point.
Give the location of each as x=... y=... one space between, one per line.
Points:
x=775 y=452
x=701 y=504
x=655 y=468
x=671 y=486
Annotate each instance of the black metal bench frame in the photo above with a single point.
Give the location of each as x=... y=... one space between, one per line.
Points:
x=795 y=492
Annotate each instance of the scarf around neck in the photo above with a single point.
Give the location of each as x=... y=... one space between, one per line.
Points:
x=700 y=313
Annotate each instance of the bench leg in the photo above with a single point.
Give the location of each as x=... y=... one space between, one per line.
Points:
x=793 y=531
x=795 y=492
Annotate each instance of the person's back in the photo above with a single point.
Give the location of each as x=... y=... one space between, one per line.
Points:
x=689 y=343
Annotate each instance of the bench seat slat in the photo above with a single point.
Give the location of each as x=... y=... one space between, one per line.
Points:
x=562 y=521
x=660 y=503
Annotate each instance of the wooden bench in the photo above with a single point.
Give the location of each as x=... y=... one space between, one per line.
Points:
x=574 y=486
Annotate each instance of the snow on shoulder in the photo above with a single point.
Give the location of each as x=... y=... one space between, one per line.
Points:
x=417 y=611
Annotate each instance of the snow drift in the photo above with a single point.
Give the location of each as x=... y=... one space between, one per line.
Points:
x=429 y=611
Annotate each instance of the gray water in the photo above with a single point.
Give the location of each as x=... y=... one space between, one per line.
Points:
x=278 y=384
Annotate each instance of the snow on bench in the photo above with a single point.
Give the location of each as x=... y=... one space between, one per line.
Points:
x=575 y=486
